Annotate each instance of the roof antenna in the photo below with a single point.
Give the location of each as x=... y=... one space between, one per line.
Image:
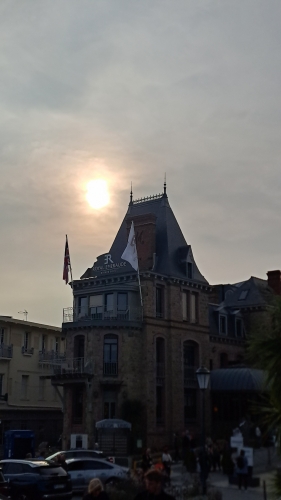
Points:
x=165 y=185
x=131 y=194
x=25 y=313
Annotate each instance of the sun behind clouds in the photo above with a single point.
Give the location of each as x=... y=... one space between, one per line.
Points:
x=97 y=193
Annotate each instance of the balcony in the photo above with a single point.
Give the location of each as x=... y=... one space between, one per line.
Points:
x=110 y=369
x=6 y=351
x=27 y=351
x=190 y=379
x=50 y=356
x=73 y=367
x=119 y=318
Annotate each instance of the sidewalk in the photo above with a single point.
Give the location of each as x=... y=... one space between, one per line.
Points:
x=265 y=463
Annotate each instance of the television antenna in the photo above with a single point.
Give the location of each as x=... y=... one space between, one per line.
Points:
x=25 y=313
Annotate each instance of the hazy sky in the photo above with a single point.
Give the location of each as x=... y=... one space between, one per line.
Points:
x=126 y=90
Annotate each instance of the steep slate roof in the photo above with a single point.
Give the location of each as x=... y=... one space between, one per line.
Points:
x=237 y=379
x=250 y=293
x=171 y=246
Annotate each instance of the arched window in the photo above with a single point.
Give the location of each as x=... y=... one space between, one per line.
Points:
x=190 y=365
x=160 y=380
x=110 y=355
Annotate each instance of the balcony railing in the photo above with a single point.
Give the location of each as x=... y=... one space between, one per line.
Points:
x=110 y=369
x=70 y=366
x=27 y=350
x=6 y=351
x=71 y=314
x=50 y=356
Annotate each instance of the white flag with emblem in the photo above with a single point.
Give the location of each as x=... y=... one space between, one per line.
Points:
x=130 y=252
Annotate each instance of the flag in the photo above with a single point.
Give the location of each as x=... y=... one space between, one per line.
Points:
x=130 y=252
x=66 y=263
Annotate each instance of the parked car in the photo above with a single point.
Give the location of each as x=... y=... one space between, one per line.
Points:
x=82 y=470
x=78 y=453
x=36 y=480
x=4 y=486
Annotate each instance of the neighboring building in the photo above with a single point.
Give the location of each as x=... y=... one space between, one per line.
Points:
x=119 y=352
x=239 y=310
x=27 y=398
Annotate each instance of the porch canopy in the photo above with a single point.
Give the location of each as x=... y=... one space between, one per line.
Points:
x=113 y=423
x=238 y=379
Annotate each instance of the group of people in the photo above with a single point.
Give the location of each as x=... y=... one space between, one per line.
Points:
x=165 y=465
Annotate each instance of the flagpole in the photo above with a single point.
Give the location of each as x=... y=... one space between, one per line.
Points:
x=70 y=269
x=138 y=267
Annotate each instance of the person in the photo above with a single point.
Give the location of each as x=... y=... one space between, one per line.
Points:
x=153 y=487
x=258 y=437
x=95 y=490
x=242 y=470
x=146 y=461
x=61 y=461
x=176 y=447
x=167 y=462
x=28 y=456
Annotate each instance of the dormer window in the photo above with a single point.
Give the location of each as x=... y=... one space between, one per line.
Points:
x=189 y=270
x=239 y=330
x=223 y=324
x=243 y=295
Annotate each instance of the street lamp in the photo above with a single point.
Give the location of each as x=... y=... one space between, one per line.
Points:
x=203 y=377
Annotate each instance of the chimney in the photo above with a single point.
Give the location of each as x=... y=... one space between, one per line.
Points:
x=145 y=226
x=274 y=281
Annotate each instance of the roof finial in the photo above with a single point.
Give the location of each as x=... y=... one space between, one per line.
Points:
x=165 y=185
x=131 y=194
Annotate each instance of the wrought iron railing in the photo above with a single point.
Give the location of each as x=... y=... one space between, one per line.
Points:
x=51 y=356
x=71 y=314
x=110 y=369
x=27 y=350
x=70 y=366
x=6 y=351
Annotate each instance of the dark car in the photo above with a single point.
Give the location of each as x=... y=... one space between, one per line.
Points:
x=4 y=486
x=36 y=480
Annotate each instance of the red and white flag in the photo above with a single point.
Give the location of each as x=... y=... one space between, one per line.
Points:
x=66 y=263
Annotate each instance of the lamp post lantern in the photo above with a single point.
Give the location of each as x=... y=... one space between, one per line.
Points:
x=203 y=377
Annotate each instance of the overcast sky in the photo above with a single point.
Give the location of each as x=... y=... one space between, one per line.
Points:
x=126 y=90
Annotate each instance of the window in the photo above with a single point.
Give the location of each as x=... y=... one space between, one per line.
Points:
x=185 y=304
x=159 y=302
x=82 y=307
x=24 y=386
x=239 y=330
x=109 y=403
x=122 y=302
x=44 y=342
x=194 y=307
x=159 y=404
x=26 y=341
x=190 y=405
x=96 y=306
x=79 y=346
x=110 y=355
x=2 y=335
x=57 y=344
x=190 y=270
x=109 y=302
x=190 y=362
x=223 y=324
x=243 y=295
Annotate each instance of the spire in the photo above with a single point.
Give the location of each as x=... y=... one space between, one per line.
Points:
x=165 y=185
x=131 y=194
